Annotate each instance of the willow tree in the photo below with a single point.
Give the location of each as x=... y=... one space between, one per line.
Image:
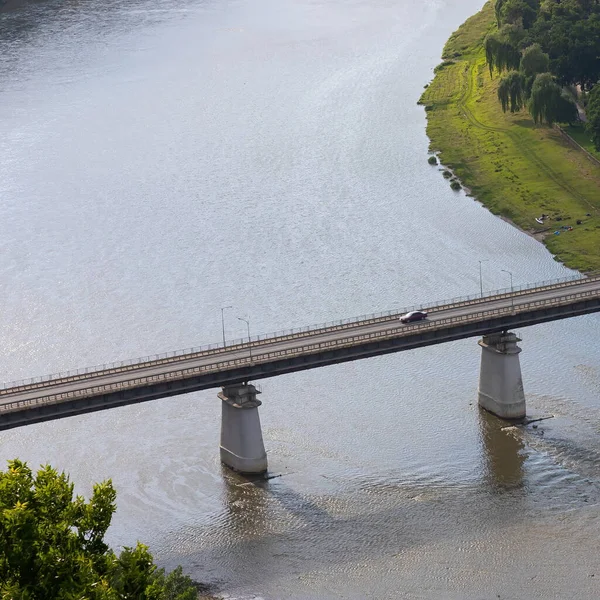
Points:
x=498 y=10
x=511 y=91
x=501 y=49
x=534 y=61
x=544 y=93
x=549 y=104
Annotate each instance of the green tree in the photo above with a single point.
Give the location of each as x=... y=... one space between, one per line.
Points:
x=566 y=110
x=502 y=49
x=172 y=586
x=549 y=104
x=569 y=31
x=498 y=10
x=534 y=61
x=593 y=116
x=511 y=91
x=52 y=544
x=519 y=12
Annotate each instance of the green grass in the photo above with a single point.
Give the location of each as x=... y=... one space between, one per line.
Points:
x=578 y=133
x=467 y=39
x=517 y=169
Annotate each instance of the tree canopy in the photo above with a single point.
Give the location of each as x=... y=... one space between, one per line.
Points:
x=511 y=91
x=534 y=61
x=517 y=12
x=544 y=45
x=567 y=30
x=52 y=545
x=501 y=49
x=549 y=104
x=593 y=115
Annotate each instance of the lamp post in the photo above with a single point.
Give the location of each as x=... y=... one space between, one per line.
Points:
x=512 y=298
x=247 y=321
x=480 y=278
x=223 y=308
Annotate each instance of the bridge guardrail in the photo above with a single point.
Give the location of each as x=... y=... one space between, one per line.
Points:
x=302 y=350
x=193 y=353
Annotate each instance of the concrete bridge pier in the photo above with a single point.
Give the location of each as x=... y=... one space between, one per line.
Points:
x=242 y=446
x=500 y=383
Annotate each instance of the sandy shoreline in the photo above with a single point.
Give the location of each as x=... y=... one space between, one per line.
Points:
x=537 y=235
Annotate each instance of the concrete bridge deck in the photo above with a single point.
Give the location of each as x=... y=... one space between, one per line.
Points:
x=148 y=380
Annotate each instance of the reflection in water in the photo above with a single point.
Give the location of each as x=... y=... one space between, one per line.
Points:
x=503 y=451
x=245 y=501
x=248 y=546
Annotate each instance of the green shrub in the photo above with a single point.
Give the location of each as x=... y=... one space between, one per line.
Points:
x=52 y=544
x=443 y=65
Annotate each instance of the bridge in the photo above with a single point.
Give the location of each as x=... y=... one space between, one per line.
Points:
x=232 y=366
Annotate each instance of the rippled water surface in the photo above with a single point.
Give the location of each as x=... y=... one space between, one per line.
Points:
x=162 y=159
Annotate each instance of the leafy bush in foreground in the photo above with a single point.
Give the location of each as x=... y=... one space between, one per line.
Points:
x=52 y=545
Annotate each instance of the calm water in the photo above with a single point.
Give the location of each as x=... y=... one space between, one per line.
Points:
x=162 y=159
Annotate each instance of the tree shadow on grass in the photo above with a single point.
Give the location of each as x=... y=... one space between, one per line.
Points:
x=526 y=123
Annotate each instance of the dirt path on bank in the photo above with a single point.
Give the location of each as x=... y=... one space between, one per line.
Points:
x=527 y=150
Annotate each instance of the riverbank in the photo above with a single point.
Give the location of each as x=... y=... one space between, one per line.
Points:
x=518 y=170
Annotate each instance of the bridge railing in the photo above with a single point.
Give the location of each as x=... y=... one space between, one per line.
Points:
x=305 y=350
x=192 y=353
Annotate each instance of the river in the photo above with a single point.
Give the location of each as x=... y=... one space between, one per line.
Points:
x=161 y=160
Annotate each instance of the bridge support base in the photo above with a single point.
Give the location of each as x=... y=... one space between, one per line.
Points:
x=500 y=383
x=242 y=446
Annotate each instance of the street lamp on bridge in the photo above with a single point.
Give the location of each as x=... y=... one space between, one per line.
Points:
x=223 y=308
x=247 y=321
x=512 y=298
x=480 y=278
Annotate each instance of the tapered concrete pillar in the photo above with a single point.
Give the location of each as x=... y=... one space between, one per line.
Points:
x=242 y=446
x=500 y=383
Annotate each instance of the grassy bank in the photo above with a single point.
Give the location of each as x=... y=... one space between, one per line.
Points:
x=517 y=169
x=577 y=132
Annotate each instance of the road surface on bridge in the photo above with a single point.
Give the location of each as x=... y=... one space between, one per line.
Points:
x=292 y=344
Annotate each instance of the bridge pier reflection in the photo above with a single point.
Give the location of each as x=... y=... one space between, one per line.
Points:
x=503 y=453
x=242 y=446
x=500 y=382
